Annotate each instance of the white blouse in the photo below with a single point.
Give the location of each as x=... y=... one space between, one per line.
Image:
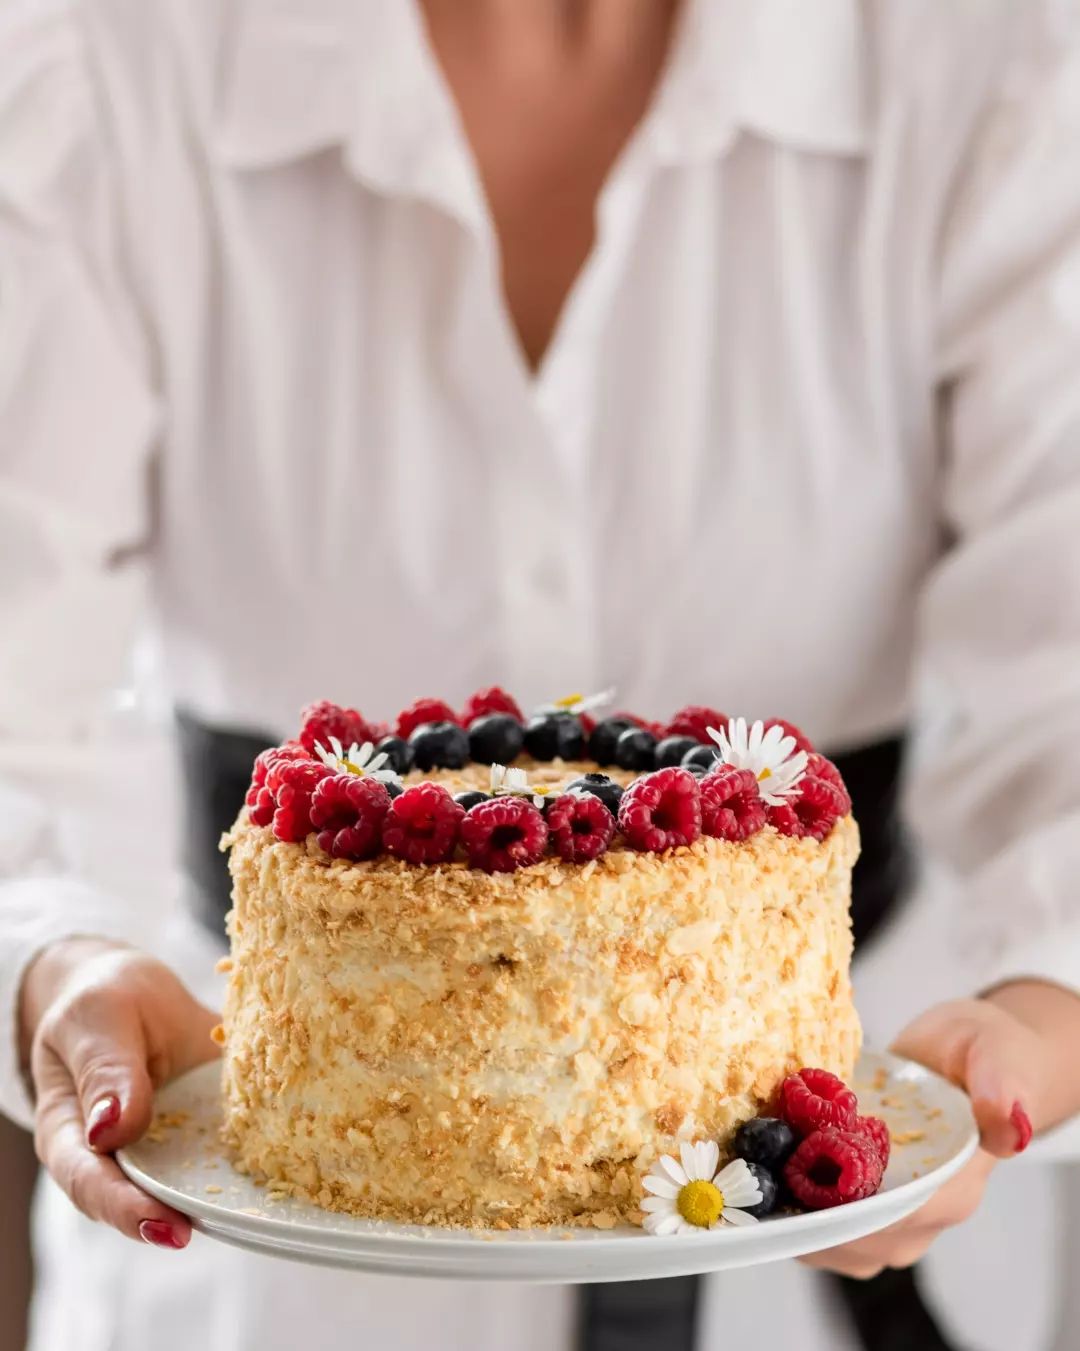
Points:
x=806 y=440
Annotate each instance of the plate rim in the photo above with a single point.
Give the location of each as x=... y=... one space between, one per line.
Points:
x=356 y=1238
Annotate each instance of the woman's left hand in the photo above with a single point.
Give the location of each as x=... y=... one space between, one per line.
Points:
x=1008 y=1051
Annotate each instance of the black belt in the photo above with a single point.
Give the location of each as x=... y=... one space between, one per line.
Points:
x=887 y=1313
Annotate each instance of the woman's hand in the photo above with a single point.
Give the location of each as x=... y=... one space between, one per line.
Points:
x=1010 y=1053
x=101 y=1025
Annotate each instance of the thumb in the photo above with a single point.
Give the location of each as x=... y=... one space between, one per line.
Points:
x=106 y=1056
x=985 y=1051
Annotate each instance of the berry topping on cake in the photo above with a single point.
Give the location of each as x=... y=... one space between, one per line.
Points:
x=604 y=737
x=731 y=806
x=765 y=1140
x=492 y=700
x=818 y=767
x=812 y=1099
x=695 y=720
x=495 y=737
x=607 y=790
x=555 y=736
x=875 y=1129
x=801 y=740
x=504 y=834
x=323 y=720
x=470 y=798
x=701 y=760
x=770 y=754
x=265 y=780
x=347 y=811
x=671 y=749
x=636 y=749
x=439 y=745
x=296 y=782
x=398 y=755
x=769 y=1188
x=813 y=810
x=363 y=761
x=423 y=710
x=832 y=1167
x=423 y=824
x=580 y=827
x=661 y=810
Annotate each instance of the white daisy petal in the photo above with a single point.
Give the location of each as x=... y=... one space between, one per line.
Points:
x=738 y=1218
x=673 y=1168
x=671 y=1223
x=336 y=747
x=742 y=1194
x=661 y=1186
x=709 y=1156
x=732 y=1174
x=688 y=1155
x=658 y=1204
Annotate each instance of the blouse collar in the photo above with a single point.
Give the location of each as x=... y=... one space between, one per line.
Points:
x=304 y=76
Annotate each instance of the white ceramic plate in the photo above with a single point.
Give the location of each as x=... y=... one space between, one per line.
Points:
x=182 y=1163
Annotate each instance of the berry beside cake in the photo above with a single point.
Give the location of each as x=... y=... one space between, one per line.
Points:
x=488 y=969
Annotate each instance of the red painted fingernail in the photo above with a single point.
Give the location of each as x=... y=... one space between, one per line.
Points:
x=1022 y=1125
x=104 y=1113
x=161 y=1234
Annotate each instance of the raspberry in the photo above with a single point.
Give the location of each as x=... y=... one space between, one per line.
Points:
x=504 y=834
x=422 y=824
x=817 y=767
x=423 y=710
x=491 y=700
x=802 y=741
x=832 y=1167
x=875 y=1129
x=347 y=810
x=731 y=805
x=661 y=810
x=812 y=1099
x=658 y=729
x=260 y=796
x=323 y=720
x=812 y=810
x=695 y=720
x=580 y=826
x=293 y=784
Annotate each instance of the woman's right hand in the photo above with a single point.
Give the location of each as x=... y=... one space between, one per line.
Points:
x=101 y=1025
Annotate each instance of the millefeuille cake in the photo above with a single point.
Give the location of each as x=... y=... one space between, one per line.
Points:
x=487 y=969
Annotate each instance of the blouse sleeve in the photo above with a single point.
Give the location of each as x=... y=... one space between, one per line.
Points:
x=995 y=788
x=77 y=427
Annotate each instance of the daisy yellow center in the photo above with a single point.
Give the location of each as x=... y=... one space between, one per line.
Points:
x=700 y=1203
x=766 y=773
x=569 y=700
x=353 y=769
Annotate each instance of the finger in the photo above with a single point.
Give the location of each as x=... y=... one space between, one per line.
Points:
x=983 y=1050
x=93 y=1183
x=99 y=1040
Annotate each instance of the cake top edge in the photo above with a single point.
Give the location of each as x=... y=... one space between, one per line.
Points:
x=499 y=790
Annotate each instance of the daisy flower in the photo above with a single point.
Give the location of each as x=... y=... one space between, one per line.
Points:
x=579 y=703
x=515 y=783
x=771 y=755
x=359 y=760
x=693 y=1195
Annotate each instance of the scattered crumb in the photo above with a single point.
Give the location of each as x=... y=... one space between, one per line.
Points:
x=933 y=1113
x=604 y=1219
x=907 y=1137
x=887 y=1101
x=212 y=1190
x=501 y=1224
x=224 y=964
x=881 y=1078
x=217 y=1035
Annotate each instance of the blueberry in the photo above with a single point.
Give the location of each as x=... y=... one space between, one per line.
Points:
x=770 y=1190
x=671 y=750
x=765 y=1140
x=607 y=790
x=472 y=797
x=704 y=757
x=603 y=738
x=698 y=771
x=439 y=745
x=495 y=738
x=394 y=789
x=400 y=757
x=551 y=736
x=636 y=749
